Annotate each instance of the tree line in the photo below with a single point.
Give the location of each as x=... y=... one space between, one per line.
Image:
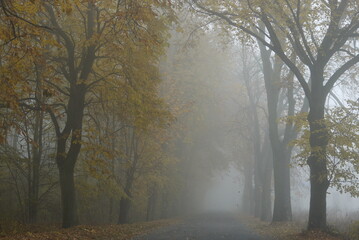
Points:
x=102 y=113
x=107 y=107
x=310 y=44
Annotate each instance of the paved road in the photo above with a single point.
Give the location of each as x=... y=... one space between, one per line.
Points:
x=214 y=226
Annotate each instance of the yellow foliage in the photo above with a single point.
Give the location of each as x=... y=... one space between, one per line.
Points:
x=342 y=150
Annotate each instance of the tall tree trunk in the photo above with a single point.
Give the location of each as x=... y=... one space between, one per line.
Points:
x=151 y=204
x=282 y=210
x=164 y=201
x=281 y=167
x=66 y=160
x=125 y=204
x=257 y=143
x=257 y=194
x=36 y=160
x=110 y=210
x=266 y=214
x=247 y=197
x=77 y=73
x=132 y=154
x=68 y=196
x=36 y=150
x=317 y=161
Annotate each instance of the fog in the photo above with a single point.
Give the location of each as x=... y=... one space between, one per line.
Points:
x=225 y=152
x=175 y=114
x=224 y=193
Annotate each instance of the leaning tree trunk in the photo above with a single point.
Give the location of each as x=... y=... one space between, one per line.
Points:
x=317 y=162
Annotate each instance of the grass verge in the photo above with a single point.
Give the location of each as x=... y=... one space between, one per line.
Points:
x=286 y=231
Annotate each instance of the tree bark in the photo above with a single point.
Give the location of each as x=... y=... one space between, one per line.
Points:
x=66 y=160
x=132 y=154
x=317 y=160
x=36 y=160
x=247 y=197
x=151 y=204
x=37 y=149
x=258 y=189
x=68 y=197
x=266 y=214
x=281 y=157
x=110 y=210
x=282 y=210
x=125 y=204
x=165 y=208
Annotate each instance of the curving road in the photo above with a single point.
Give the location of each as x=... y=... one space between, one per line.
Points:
x=214 y=226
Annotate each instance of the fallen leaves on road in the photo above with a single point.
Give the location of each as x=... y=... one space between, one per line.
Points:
x=85 y=232
x=285 y=231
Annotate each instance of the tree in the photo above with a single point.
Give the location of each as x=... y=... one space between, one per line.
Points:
x=298 y=21
x=18 y=53
x=79 y=57
x=343 y=165
x=280 y=91
x=22 y=77
x=26 y=155
x=258 y=140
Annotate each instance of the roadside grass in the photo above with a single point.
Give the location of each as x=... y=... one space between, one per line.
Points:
x=288 y=231
x=88 y=232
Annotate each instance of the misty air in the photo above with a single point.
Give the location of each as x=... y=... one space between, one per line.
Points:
x=179 y=119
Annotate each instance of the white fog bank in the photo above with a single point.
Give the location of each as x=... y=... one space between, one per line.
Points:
x=224 y=195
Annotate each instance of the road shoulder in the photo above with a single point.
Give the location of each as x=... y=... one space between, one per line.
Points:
x=286 y=230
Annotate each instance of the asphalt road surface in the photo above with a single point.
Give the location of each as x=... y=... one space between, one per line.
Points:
x=214 y=226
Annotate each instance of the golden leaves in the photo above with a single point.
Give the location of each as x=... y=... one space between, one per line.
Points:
x=119 y=232
x=124 y=41
x=285 y=230
x=342 y=155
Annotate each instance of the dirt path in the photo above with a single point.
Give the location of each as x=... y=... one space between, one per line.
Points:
x=214 y=226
